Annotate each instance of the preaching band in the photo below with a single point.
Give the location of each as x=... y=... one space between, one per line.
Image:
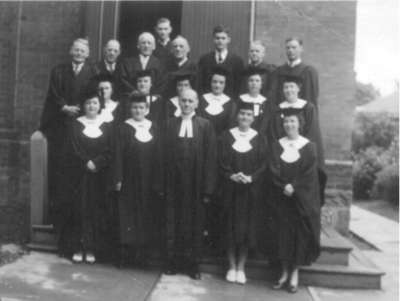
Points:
x=159 y=154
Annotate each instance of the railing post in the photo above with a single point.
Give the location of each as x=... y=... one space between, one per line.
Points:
x=38 y=178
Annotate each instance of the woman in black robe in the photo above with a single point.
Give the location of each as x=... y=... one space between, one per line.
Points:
x=311 y=130
x=216 y=106
x=138 y=174
x=295 y=195
x=182 y=81
x=85 y=179
x=242 y=165
x=191 y=160
x=263 y=108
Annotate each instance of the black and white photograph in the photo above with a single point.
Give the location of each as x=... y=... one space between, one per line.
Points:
x=199 y=150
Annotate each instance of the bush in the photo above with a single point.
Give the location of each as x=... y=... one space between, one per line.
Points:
x=374 y=129
x=367 y=163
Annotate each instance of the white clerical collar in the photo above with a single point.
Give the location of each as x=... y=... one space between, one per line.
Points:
x=294 y=63
x=291 y=148
x=186 y=129
x=223 y=53
x=92 y=126
x=142 y=129
x=175 y=102
x=110 y=66
x=298 y=104
x=106 y=113
x=144 y=60
x=182 y=61
x=242 y=139
x=77 y=67
x=215 y=103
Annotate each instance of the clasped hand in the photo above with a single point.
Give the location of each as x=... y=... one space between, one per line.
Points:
x=241 y=178
x=288 y=190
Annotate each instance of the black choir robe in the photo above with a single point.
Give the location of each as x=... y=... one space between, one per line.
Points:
x=132 y=65
x=156 y=109
x=298 y=216
x=83 y=220
x=116 y=76
x=172 y=68
x=312 y=131
x=139 y=167
x=241 y=201
x=117 y=116
x=222 y=121
x=172 y=108
x=266 y=77
x=233 y=64
x=191 y=171
x=65 y=88
x=163 y=52
x=310 y=85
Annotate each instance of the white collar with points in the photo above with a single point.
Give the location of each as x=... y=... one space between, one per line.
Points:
x=242 y=139
x=291 y=148
x=175 y=102
x=294 y=63
x=257 y=101
x=142 y=129
x=298 y=104
x=186 y=129
x=215 y=103
x=106 y=113
x=92 y=126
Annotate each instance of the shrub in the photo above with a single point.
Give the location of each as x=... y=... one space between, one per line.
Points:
x=374 y=129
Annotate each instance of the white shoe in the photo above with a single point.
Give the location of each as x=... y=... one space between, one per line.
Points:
x=77 y=257
x=231 y=276
x=90 y=258
x=241 y=277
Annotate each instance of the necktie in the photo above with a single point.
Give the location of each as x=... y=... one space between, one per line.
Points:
x=220 y=58
x=76 y=69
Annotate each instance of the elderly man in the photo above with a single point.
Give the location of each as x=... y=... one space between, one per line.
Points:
x=163 y=30
x=179 y=64
x=67 y=88
x=145 y=60
x=297 y=68
x=110 y=64
x=191 y=158
x=256 y=59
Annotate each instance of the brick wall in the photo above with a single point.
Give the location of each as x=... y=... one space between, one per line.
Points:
x=328 y=31
x=34 y=36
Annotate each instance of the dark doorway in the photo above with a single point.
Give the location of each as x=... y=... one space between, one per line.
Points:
x=139 y=16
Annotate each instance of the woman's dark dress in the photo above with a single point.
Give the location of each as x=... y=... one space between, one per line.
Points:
x=311 y=130
x=139 y=167
x=298 y=216
x=241 y=200
x=84 y=216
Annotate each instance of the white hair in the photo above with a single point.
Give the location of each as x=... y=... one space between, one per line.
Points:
x=113 y=41
x=82 y=41
x=184 y=40
x=258 y=43
x=146 y=36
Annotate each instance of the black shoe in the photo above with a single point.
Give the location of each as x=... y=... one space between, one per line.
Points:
x=194 y=273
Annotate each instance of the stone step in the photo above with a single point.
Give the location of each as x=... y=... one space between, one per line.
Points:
x=335 y=249
x=43 y=234
x=42 y=247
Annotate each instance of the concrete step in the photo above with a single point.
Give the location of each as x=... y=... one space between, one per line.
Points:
x=335 y=249
x=43 y=234
x=42 y=247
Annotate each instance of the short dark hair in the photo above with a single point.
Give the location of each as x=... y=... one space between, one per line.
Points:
x=300 y=41
x=221 y=28
x=300 y=118
x=163 y=20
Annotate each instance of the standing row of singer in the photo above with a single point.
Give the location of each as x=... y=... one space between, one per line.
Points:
x=158 y=153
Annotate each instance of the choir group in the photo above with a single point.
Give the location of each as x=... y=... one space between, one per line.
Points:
x=158 y=153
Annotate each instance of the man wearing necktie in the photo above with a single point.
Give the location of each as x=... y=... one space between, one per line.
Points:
x=68 y=86
x=191 y=154
x=163 y=49
x=296 y=67
x=221 y=56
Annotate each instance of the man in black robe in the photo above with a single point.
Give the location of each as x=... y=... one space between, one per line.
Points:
x=163 y=31
x=110 y=64
x=191 y=158
x=295 y=67
x=68 y=85
x=221 y=56
x=145 y=60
